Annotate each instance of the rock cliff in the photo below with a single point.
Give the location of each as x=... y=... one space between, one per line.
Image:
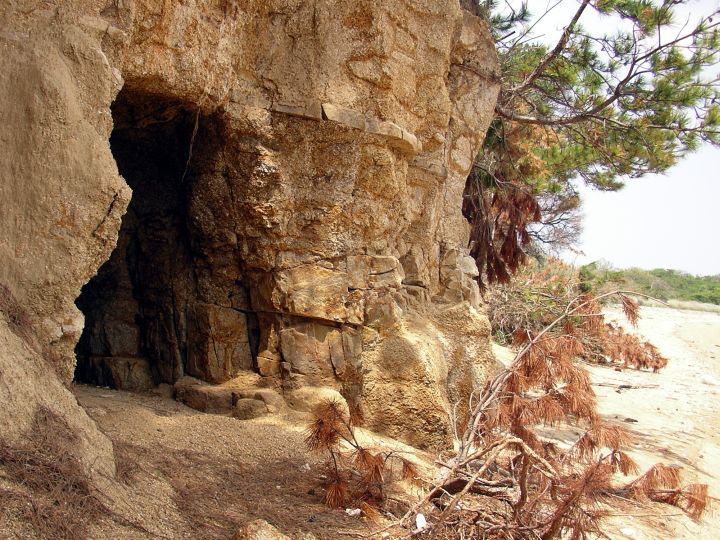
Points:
x=208 y=193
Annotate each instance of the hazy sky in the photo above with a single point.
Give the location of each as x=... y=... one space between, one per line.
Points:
x=659 y=221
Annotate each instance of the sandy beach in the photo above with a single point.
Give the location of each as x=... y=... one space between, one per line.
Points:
x=674 y=414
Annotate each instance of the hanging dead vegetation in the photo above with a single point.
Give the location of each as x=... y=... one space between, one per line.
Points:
x=538 y=294
x=499 y=221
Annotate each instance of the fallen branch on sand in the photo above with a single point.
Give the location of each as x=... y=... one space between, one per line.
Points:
x=508 y=482
x=621 y=387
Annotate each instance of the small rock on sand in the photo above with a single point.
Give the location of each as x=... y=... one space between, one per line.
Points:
x=259 y=529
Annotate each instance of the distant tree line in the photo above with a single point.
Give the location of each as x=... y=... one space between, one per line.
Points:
x=660 y=283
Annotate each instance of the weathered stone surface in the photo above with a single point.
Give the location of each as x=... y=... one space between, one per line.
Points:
x=121 y=373
x=369 y=272
x=310 y=291
x=222 y=398
x=306 y=347
x=202 y=396
x=386 y=129
x=417 y=295
x=164 y=390
x=414 y=264
x=404 y=371
x=247 y=409
x=309 y=109
x=420 y=368
x=309 y=397
x=273 y=401
x=218 y=343
x=247 y=196
x=345 y=345
x=268 y=366
x=468 y=266
x=410 y=143
x=259 y=530
x=321 y=353
x=382 y=312
x=62 y=198
x=344 y=116
x=457 y=273
x=431 y=166
x=268 y=348
x=27 y=385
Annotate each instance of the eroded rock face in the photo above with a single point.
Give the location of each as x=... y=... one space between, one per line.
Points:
x=296 y=172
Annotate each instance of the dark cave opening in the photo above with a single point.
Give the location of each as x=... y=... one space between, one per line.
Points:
x=136 y=328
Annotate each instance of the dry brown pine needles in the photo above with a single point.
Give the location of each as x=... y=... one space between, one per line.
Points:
x=545 y=490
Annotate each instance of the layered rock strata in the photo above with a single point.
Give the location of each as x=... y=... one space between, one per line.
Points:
x=275 y=188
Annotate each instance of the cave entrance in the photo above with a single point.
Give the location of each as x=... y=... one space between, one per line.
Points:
x=144 y=323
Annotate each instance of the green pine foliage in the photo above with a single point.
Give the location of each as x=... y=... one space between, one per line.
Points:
x=599 y=105
x=621 y=103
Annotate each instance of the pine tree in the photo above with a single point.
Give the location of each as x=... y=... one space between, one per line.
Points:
x=598 y=106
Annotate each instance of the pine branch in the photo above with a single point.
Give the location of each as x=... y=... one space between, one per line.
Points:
x=556 y=51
